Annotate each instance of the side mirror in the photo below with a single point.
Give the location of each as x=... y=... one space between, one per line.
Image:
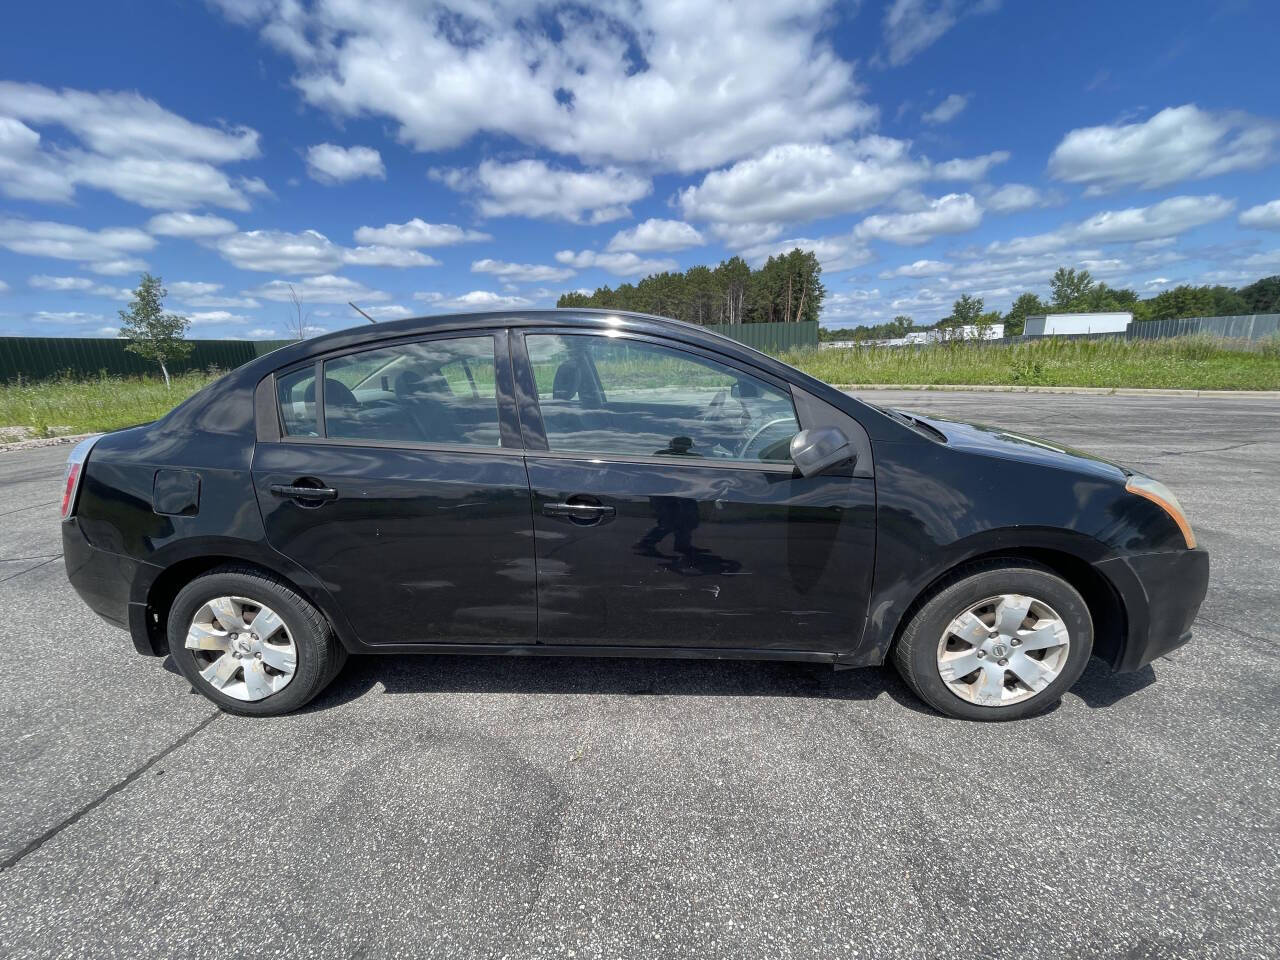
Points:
x=816 y=450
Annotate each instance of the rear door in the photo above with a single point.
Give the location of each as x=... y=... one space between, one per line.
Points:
x=667 y=511
x=419 y=523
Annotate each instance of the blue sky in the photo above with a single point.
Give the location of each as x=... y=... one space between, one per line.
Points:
x=420 y=158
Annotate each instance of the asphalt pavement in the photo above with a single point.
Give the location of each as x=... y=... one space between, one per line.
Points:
x=492 y=807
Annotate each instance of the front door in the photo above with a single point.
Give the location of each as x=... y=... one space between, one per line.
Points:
x=420 y=525
x=666 y=508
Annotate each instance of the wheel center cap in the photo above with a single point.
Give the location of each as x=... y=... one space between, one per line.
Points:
x=999 y=650
x=241 y=645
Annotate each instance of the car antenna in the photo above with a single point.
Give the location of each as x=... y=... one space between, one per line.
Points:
x=361 y=312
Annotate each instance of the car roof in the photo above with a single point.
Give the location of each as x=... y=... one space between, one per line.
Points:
x=587 y=318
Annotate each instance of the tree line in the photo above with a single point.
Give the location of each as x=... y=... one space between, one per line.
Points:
x=1076 y=291
x=786 y=289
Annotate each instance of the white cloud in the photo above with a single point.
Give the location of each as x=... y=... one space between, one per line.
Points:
x=201 y=294
x=135 y=149
x=4 y=287
x=102 y=251
x=46 y=282
x=278 y=251
x=478 y=300
x=918 y=268
x=392 y=311
x=26 y=172
x=322 y=289
x=214 y=317
x=655 y=234
x=1013 y=197
x=672 y=86
x=798 y=181
x=156 y=184
x=262 y=333
x=619 y=264
x=531 y=188
x=969 y=168
x=947 y=110
x=1269 y=260
x=910 y=26
x=126 y=124
x=332 y=164
x=835 y=253
x=117 y=267
x=1168 y=218
x=43 y=281
x=522 y=272
x=953 y=213
x=419 y=233
x=1265 y=216
x=1178 y=143
x=380 y=256
x=189 y=225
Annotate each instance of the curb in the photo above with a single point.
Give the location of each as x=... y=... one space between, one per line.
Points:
x=1085 y=391
x=35 y=443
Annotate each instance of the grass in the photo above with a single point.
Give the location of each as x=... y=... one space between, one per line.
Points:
x=1195 y=363
x=66 y=405
x=51 y=408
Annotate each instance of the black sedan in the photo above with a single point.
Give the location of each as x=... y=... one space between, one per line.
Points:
x=586 y=483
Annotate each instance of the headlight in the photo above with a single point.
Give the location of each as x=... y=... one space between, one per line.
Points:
x=1158 y=493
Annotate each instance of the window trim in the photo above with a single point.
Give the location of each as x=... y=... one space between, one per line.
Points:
x=509 y=441
x=534 y=427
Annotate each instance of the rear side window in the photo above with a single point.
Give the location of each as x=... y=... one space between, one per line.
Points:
x=438 y=391
x=297 y=394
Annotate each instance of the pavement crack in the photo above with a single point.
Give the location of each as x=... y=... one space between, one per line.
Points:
x=1187 y=453
x=34 y=845
x=1237 y=630
x=47 y=503
x=29 y=569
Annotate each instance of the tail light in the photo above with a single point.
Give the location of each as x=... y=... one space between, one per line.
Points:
x=75 y=470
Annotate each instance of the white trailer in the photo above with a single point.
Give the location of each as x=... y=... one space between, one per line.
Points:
x=1065 y=323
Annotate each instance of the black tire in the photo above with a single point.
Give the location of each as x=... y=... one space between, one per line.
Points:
x=915 y=655
x=320 y=654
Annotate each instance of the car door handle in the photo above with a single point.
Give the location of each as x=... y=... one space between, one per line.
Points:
x=579 y=511
x=303 y=493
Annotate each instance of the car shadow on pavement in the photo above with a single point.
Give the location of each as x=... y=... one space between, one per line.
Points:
x=609 y=676
x=625 y=676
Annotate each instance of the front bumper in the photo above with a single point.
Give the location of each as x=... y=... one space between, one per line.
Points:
x=1162 y=593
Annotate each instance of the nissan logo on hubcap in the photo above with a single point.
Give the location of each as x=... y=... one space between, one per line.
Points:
x=999 y=650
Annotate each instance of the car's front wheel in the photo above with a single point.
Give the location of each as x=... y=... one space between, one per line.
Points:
x=999 y=641
x=251 y=643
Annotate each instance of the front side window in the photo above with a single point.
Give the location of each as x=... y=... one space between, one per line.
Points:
x=604 y=394
x=439 y=391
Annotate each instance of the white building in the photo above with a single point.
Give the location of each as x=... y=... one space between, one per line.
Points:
x=1064 y=323
x=969 y=331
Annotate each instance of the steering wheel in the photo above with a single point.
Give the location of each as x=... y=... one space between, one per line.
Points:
x=746 y=446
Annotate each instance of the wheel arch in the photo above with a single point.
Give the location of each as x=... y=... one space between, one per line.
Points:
x=1105 y=602
x=152 y=600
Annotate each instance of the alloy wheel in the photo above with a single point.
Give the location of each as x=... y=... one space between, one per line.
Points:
x=243 y=648
x=1003 y=650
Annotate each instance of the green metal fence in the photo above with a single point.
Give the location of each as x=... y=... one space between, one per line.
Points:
x=40 y=358
x=771 y=337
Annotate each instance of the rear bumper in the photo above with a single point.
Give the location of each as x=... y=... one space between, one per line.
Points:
x=104 y=580
x=1162 y=593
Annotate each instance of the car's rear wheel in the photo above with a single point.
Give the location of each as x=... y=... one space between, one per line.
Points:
x=251 y=643
x=997 y=642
